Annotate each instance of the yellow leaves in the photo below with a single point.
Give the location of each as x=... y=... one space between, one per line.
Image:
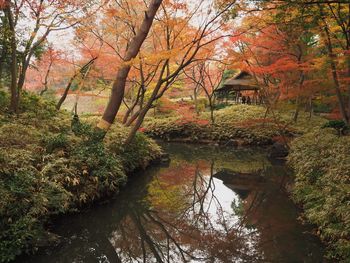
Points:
x=83 y=197
x=72 y=181
x=154 y=57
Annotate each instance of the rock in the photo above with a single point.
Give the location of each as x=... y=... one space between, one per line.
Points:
x=278 y=150
x=164 y=158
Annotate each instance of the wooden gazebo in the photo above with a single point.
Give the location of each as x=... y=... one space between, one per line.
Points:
x=235 y=88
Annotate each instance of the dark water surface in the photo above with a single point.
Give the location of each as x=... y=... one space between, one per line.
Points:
x=208 y=205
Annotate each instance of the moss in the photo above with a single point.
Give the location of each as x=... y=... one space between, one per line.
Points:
x=321 y=160
x=47 y=168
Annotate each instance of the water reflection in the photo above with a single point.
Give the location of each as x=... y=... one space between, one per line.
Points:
x=208 y=205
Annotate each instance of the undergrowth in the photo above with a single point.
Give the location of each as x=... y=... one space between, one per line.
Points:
x=243 y=124
x=49 y=165
x=321 y=160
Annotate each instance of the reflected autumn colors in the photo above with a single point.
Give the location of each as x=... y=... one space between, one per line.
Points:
x=207 y=205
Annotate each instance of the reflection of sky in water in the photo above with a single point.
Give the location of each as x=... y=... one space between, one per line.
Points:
x=219 y=204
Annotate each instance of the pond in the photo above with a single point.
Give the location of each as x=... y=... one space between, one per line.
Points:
x=209 y=204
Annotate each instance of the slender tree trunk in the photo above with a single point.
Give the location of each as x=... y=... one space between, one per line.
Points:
x=348 y=59
x=211 y=106
x=311 y=108
x=46 y=81
x=331 y=56
x=143 y=111
x=127 y=114
x=298 y=100
x=336 y=80
x=65 y=93
x=83 y=72
x=22 y=74
x=195 y=96
x=118 y=89
x=130 y=110
x=133 y=118
x=13 y=68
x=138 y=123
x=300 y=84
x=3 y=57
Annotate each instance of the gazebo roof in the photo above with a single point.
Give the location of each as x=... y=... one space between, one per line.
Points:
x=242 y=81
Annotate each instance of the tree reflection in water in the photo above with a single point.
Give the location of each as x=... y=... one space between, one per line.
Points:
x=197 y=229
x=206 y=206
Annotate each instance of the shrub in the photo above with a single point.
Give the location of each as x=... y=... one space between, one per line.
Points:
x=321 y=161
x=27 y=197
x=338 y=125
x=230 y=125
x=4 y=100
x=50 y=164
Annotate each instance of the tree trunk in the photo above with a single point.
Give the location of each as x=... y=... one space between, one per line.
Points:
x=348 y=85
x=3 y=56
x=196 y=100
x=65 y=93
x=311 y=108
x=118 y=89
x=130 y=110
x=335 y=78
x=46 y=81
x=138 y=123
x=331 y=56
x=133 y=118
x=127 y=114
x=143 y=111
x=13 y=69
x=211 y=106
x=84 y=70
x=22 y=74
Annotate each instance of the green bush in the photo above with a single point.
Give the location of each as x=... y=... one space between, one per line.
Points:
x=4 y=100
x=338 y=125
x=36 y=106
x=320 y=107
x=27 y=197
x=321 y=161
x=50 y=164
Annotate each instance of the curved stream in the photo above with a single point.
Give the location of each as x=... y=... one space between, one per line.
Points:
x=208 y=204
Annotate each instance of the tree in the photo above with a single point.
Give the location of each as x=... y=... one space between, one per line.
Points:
x=208 y=76
x=29 y=23
x=82 y=73
x=318 y=36
x=178 y=45
x=134 y=46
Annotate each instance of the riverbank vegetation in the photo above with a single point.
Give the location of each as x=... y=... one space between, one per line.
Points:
x=50 y=165
x=322 y=170
x=234 y=125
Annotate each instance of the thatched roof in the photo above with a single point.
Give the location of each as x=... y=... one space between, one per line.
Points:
x=241 y=81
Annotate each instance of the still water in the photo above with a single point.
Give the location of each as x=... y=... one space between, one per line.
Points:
x=209 y=204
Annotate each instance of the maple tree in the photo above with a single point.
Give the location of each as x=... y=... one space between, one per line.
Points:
x=290 y=47
x=29 y=23
x=209 y=77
